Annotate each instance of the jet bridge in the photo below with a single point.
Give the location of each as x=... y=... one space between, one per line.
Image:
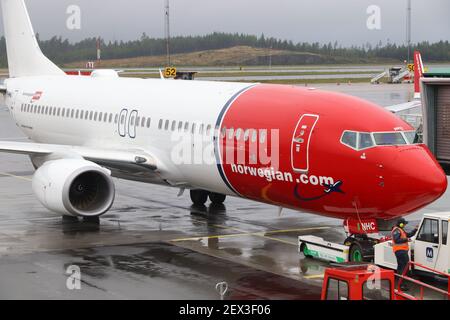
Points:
x=436 y=116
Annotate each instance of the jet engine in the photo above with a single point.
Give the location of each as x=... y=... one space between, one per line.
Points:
x=74 y=187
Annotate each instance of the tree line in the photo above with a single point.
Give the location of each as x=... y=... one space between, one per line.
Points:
x=63 y=51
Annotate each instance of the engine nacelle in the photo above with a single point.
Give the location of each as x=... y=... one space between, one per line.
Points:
x=74 y=187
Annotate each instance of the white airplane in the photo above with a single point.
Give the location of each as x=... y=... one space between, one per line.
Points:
x=302 y=149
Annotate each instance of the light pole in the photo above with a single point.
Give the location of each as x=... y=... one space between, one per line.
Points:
x=167 y=30
x=408 y=29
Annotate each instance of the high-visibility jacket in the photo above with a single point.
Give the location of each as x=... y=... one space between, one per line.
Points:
x=400 y=246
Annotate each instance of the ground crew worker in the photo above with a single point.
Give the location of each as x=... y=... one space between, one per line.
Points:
x=400 y=245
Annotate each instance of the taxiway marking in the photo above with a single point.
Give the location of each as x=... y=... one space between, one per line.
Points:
x=314 y=276
x=242 y=233
x=14 y=176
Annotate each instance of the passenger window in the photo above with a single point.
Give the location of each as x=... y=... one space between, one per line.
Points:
x=193 y=128
x=200 y=130
x=148 y=122
x=208 y=130
x=122 y=119
x=246 y=134
x=444 y=232
x=254 y=135
x=166 y=126
x=429 y=232
x=91 y=115
x=186 y=127
x=238 y=133
x=59 y=112
x=100 y=116
x=262 y=136
x=337 y=290
x=86 y=115
x=116 y=118
x=349 y=139
x=138 y=121
x=72 y=113
x=174 y=125
x=110 y=117
x=54 y=111
x=365 y=141
x=143 y=122
x=230 y=133
x=82 y=114
x=77 y=114
x=160 y=124
x=95 y=116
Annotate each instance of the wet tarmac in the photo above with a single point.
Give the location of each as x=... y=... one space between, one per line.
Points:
x=155 y=245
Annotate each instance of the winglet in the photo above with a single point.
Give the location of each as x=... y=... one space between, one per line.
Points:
x=161 y=75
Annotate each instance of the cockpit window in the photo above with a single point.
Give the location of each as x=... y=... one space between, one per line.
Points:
x=389 y=138
x=365 y=141
x=413 y=137
x=349 y=139
x=357 y=140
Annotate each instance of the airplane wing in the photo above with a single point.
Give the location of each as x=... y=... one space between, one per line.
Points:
x=405 y=106
x=106 y=157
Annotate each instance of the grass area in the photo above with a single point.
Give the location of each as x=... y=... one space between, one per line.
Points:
x=315 y=81
x=235 y=56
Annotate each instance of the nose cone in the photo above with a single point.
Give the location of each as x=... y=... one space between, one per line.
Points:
x=418 y=179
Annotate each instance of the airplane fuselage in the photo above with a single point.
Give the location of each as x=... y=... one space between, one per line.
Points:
x=282 y=145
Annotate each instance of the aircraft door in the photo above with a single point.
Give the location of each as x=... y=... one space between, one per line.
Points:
x=301 y=142
x=12 y=103
x=122 y=122
x=132 y=124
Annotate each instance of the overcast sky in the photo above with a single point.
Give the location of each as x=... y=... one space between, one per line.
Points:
x=344 y=21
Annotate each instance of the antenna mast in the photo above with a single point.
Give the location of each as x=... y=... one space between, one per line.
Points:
x=408 y=29
x=167 y=31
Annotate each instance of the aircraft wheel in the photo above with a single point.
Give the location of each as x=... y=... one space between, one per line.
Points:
x=304 y=250
x=217 y=198
x=199 y=197
x=69 y=219
x=356 y=253
x=95 y=220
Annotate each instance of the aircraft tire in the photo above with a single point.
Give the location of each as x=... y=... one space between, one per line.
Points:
x=199 y=197
x=217 y=198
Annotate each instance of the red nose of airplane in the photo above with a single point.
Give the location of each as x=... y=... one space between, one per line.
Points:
x=418 y=179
